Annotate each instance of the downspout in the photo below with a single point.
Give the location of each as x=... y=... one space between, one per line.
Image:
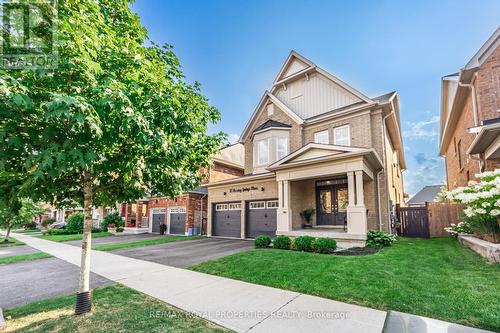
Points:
x=201 y=214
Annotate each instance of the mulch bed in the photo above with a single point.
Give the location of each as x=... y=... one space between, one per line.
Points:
x=358 y=251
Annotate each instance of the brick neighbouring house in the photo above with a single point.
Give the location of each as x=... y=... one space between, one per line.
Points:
x=185 y=214
x=470 y=116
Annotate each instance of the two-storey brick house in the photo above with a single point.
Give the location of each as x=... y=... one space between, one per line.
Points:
x=314 y=142
x=470 y=116
x=185 y=214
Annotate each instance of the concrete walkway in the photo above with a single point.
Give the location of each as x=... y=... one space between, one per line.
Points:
x=237 y=305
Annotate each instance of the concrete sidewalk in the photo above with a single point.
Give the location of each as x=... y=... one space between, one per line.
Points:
x=237 y=305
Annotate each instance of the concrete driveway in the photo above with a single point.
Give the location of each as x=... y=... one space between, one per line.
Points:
x=186 y=253
x=29 y=281
x=119 y=238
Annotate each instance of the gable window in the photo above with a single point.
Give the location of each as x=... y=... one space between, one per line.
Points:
x=341 y=136
x=281 y=147
x=262 y=152
x=321 y=137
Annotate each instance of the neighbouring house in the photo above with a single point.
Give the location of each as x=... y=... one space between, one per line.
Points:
x=470 y=116
x=61 y=214
x=314 y=142
x=185 y=214
x=426 y=194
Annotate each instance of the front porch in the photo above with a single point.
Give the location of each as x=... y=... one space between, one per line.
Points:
x=339 y=186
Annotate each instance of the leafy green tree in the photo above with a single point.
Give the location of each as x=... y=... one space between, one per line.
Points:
x=115 y=118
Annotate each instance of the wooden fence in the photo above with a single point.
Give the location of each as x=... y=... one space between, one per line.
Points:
x=442 y=215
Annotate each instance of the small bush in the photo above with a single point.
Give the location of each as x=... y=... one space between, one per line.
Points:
x=282 y=242
x=379 y=238
x=96 y=229
x=58 y=232
x=75 y=223
x=112 y=218
x=262 y=241
x=304 y=243
x=457 y=229
x=47 y=222
x=325 y=245
x=30 y=226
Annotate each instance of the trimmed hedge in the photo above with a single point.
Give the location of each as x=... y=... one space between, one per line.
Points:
x=262 y=241
x=304 y=243
x=325 y=245
x=282 y=242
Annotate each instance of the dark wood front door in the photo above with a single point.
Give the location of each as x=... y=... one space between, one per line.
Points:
x=331 y=204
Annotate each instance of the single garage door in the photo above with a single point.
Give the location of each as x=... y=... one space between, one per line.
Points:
x=227 y=219
x=158 y=219
x=177 y=220
x=261 y=218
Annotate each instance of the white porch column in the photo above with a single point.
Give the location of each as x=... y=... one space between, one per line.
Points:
x=284 y=218
x=360 y=198
x=356 y=214
x=351 y=189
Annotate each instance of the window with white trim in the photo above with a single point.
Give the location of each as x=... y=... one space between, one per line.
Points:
x=341 y=136
x=281 y=147
x=263 y=152
x=219 y=207
x=235 y=206
x=257 y=205
x=272 y=204
x=321 y=137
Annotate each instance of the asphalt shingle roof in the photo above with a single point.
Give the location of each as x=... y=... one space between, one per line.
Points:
x=271 y=123
x=426 y=194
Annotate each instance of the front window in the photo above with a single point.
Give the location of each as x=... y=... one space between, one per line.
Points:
x=281 y=148
x=341 y=136
x=321 y=137
x=262 y=152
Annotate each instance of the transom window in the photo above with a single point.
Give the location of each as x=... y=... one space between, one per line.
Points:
x=219 y=207
x=235 y=206
x=321 y=137
x=341 y=136
x=272 y=204
x=257 y=205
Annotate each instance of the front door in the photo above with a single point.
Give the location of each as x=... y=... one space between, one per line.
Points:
x=331 y=204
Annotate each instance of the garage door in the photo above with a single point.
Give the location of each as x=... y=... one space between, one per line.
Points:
x=227 y=219
x=177 y=220
x=158 y=219
x=261 y=218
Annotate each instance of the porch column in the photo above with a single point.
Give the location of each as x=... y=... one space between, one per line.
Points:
x=284 y=218
x=360 y=198
x=356 y=214
x=351 y=189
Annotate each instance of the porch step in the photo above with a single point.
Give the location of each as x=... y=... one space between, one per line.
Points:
x=134 y=231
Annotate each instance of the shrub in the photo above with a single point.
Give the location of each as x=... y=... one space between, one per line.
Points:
x=96 y=229
x=47 y=222
x=112 y=218
x=282 y=242
x=325 y=245
x=30 y=226
x=58 y=232
x=457 y=229
x=262 y=241
x=379 y=238
x=304 y=243
x=75 y=223
x=486 y=227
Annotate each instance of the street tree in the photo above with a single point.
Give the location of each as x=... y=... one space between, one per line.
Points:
x=115 y=120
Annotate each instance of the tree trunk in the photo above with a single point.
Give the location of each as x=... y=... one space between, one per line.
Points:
x=83 y=297
x=8 y=233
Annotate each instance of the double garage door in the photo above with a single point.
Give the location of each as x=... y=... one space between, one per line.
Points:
x=176 y=219
x=260 y=219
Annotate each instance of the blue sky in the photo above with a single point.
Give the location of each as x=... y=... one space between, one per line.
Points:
x=234 y=48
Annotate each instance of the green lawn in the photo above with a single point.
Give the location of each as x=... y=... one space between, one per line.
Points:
x=65 y=238
x=23 y=231
x=12 y=242
x=437 y=278
x=147 y=242
x=24 y=257
x=115 y=309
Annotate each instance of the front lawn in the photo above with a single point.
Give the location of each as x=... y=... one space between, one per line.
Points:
x=26 y=231
x=147 y=242
x=10 y=242
x=115 y=309
x=437 y=278
x=24 y=257
x=72 y=237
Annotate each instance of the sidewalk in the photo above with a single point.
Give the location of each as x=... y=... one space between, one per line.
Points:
x=237 y=305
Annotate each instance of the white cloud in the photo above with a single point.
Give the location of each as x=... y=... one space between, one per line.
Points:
x=233 y=138
x=422 y=129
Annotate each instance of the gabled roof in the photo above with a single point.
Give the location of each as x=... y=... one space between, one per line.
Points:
x=271 y=124
x=260 y=107
x=385 y=98
x=485 y=51
x=426 y=194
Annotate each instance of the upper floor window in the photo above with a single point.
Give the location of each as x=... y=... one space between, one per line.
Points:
x=341 y=136
x=281 y=147
x=263 y=152
x=321 y=137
